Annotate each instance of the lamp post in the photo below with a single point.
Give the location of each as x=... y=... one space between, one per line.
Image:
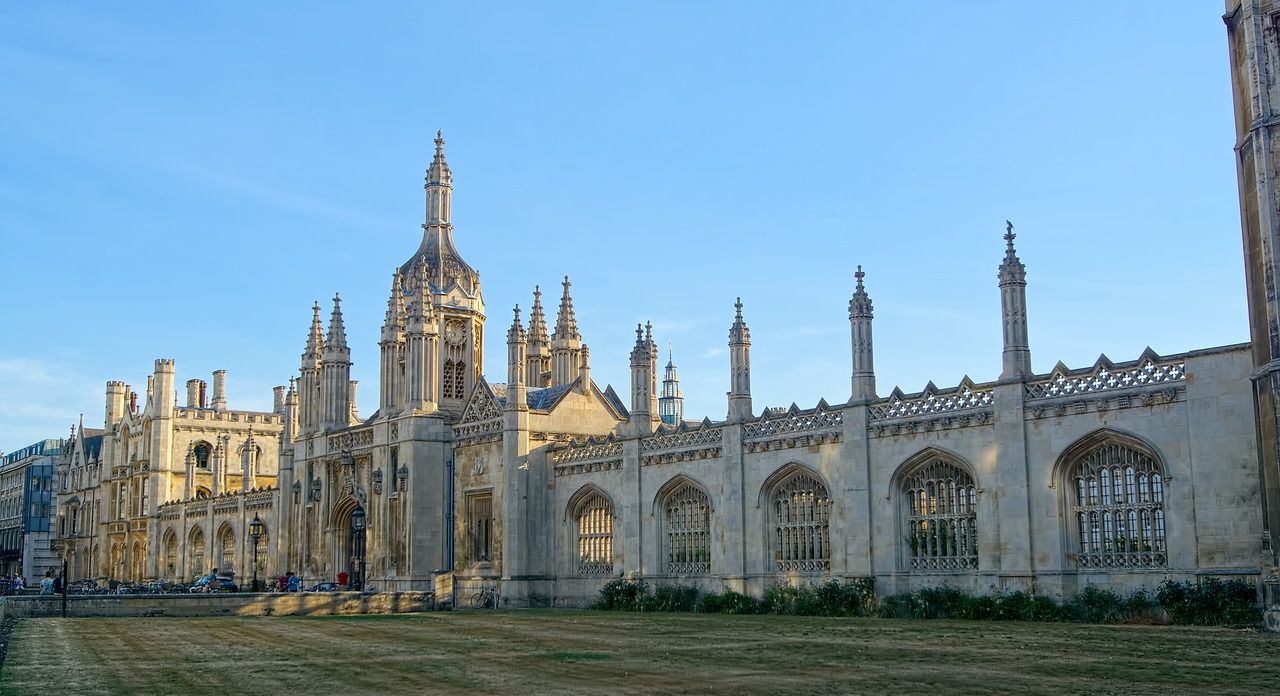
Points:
x=357 y=548
x=255 y=533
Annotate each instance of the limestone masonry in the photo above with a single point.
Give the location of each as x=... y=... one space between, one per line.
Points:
x=1121 y=473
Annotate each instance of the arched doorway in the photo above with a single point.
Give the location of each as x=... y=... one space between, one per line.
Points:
x=169 y=560
x=348 y=532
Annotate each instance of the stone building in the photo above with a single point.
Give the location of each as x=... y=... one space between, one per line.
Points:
x=1122 y=473
x=166 y=491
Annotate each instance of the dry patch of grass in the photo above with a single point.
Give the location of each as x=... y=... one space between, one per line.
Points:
x=569 y=652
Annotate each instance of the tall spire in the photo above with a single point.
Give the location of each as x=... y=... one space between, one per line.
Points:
x=395 y=303
x=739 y=367
x=315 y=339
x=537 y=320
x=439 y=184
x=566 y=322
x=337 y=338
x=1013 y=306
x=860 y=316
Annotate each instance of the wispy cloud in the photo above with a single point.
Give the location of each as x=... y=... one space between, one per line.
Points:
x=41 y=399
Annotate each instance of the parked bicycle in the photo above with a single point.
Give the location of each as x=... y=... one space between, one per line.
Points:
x=486 y=598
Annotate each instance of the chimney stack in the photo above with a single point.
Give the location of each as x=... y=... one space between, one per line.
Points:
x=219 y=390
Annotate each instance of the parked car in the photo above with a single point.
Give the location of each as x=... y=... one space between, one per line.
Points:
x=225 y=584
x=325 y=587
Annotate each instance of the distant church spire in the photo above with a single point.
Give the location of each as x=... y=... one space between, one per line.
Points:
x=739 y=367
x=671 y=403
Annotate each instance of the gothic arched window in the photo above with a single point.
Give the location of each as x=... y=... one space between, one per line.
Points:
x=1117 y=496
x=941 y=504
x=201 y=453
x=446 y=380
x=799 y=519
x=687 y=520
x=594 y=516
x=459 y=380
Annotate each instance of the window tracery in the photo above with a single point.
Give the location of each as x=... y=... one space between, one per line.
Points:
x=941 y=515
x=595 y=535
x=1118 y=508
x=800 y=511
x=687 y=516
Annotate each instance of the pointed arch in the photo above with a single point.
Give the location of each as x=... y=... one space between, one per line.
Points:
x=201 y=452
x=937 y=510
x=1113 y=490
x=798 y=519
x=582 y=495
x=225 y=548
x=592 y=514
x=169 y=554
x=685 y=526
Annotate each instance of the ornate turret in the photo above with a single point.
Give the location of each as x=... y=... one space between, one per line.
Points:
x=335 y=369
x=641 y=384
x=538 y=358
x=671 y=403
x=739 y=368
x=445 y=267
x=391 y=347
x=860 y=316
x=516 y=341
x=309 y=377
x=566 y=343
x=1013 y=305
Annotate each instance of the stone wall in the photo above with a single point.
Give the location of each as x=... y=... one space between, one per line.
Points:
x=237 y=604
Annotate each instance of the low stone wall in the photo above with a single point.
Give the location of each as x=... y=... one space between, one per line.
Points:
x=230 y=604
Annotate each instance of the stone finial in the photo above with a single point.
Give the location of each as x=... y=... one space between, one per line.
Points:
x=860 y=305
x=1011 y=269
x=337 y=338
x=739 y=333
x=516 y=333
x=537 y=320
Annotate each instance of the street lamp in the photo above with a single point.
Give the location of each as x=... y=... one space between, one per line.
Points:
x=255 y=533
x=357 y=548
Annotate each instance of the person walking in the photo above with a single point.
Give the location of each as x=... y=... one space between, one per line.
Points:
x=46 y=585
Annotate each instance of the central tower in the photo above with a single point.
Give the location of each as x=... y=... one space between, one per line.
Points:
x=442 y=327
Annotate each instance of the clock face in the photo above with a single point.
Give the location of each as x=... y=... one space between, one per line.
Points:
x=454 y=332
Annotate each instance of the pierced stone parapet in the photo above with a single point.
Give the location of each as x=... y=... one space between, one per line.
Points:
x=794 y=420
x=590 y=450
x=1148 y=370
x=682 y=436
x=965 y=397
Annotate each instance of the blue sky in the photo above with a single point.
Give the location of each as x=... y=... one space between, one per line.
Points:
x=184 y=182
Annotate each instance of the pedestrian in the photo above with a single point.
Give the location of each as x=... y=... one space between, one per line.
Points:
x=282 y=583
x=19 y=582
x=46 y=585
x=295 y=582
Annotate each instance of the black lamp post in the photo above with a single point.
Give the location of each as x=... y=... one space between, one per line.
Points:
x=255 y=533
x=357 y=548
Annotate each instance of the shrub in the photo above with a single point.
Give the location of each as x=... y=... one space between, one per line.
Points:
x=1211 y=603
x=672 y=598
x=727 y=602
x=1096 y=605
x=621 y=594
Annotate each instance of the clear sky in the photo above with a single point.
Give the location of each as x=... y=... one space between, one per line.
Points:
x=183 y=181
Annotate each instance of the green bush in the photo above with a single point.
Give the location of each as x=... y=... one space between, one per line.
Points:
x=621 y=594
x=727 y=602
x=1096 y=605
x=1211 y=603
x=672 y=598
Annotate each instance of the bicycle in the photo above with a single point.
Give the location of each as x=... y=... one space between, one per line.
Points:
x=486 y=598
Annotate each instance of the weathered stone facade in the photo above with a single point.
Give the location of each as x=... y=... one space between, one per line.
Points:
x=1120 y=474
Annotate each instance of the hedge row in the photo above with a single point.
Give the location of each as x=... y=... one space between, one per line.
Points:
x=1213 y=602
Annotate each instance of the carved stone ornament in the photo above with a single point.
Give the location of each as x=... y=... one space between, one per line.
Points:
x=316 y=487
x=395 y=431
x=376 y=478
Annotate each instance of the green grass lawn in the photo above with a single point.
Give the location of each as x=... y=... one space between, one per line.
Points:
x=567 y=652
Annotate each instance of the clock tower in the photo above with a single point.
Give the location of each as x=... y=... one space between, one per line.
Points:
x=440 y=331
